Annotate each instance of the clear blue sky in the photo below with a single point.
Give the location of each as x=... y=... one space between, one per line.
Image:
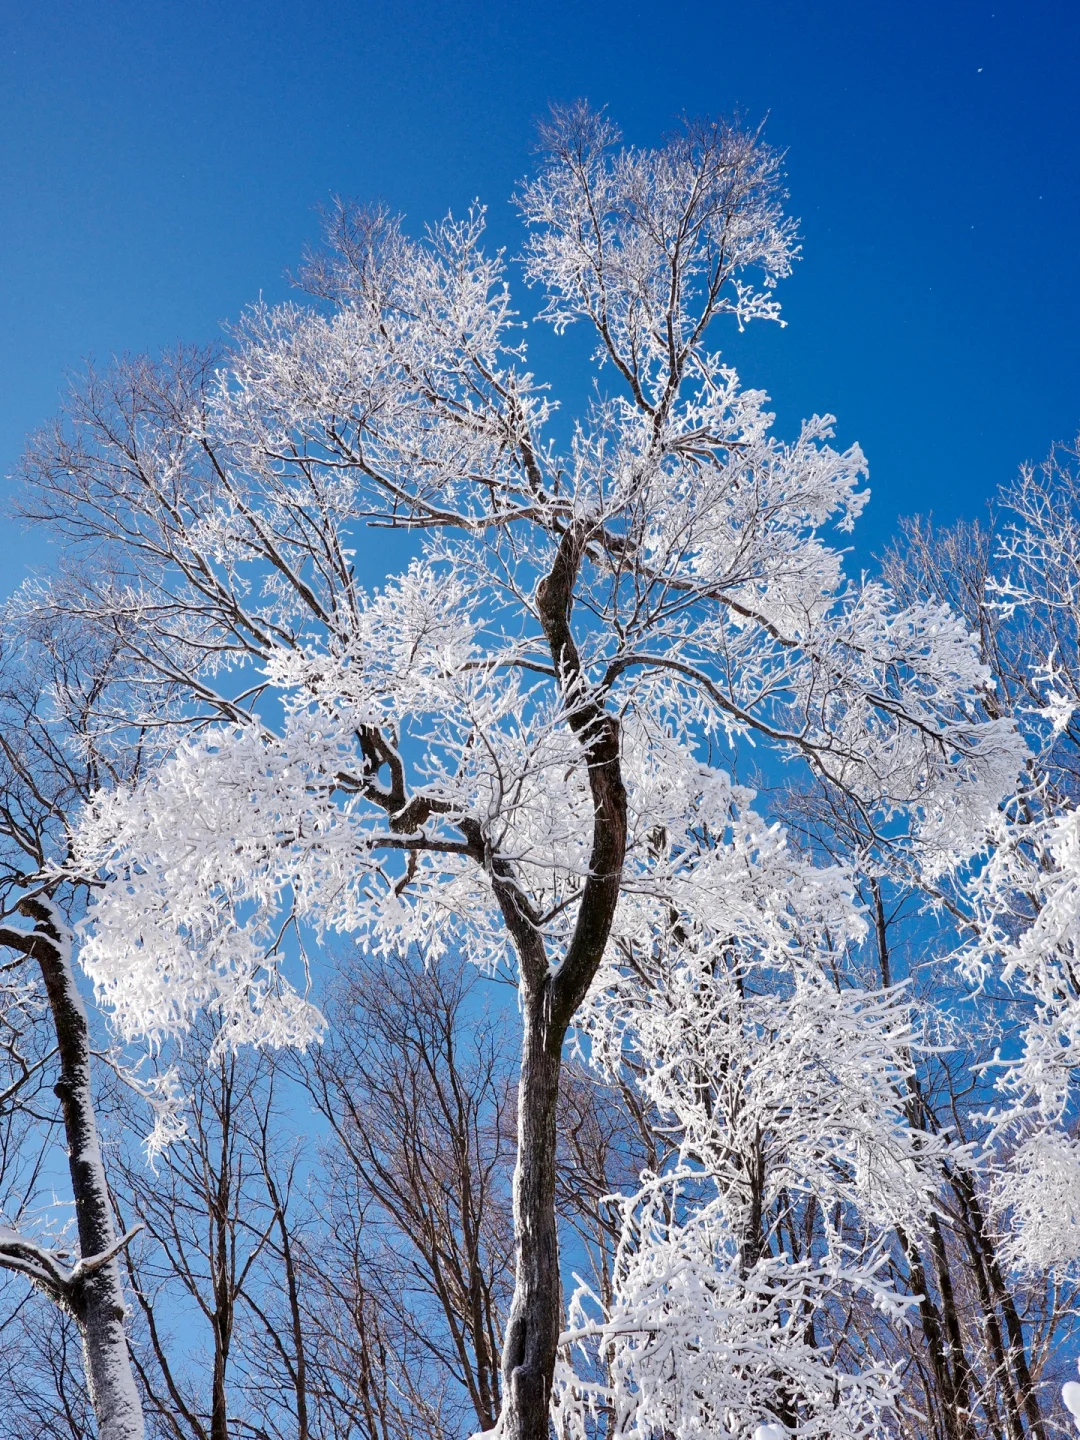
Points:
x=160 y=165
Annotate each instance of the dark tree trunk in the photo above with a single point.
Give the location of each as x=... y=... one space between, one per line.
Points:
x=954 y=1338
x=551 y=995
x=947 y=1361
x=222 y=1256
x=533 y=1330
x=981 y=1247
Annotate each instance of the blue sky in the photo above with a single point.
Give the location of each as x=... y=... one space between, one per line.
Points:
x=161 y=165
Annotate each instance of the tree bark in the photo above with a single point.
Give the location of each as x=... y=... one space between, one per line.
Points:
x=97 y=1299
x=954 y=1339
x=951 y=1393
x=532 y=1333
x=551 y=995
x=980 y=1241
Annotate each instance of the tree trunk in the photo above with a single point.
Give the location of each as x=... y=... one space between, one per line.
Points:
x=222 y=1251
x=946 y=1356
x=982 y=1241
x=532 y=1333
x=550 y=998
x=98 y=1298
x=961 y=1377
x=991 y=1326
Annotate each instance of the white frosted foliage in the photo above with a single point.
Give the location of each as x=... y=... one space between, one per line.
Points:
x=520 y=745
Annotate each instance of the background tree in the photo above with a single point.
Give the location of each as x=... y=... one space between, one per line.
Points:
x=42 y=1368
x=416 y=1086
x=220 y=1345
x=987 y=961
x=773 y=1076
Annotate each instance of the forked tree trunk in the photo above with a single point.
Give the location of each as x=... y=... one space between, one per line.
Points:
x=97 y=1299
x=550 y=999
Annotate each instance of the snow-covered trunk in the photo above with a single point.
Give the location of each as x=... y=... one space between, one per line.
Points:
x=532 y=1333
x=98 y=1299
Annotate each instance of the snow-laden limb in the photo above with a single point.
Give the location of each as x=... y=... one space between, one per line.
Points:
x=598 y=214
x=244 y=833
x=1070 y=1394
x=51 y=1270
x=696 y=1345
x=1036 y=1194
x=1025 y=902
x=207 y=887
x=809 y=1082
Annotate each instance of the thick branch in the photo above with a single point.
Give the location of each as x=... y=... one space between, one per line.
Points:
x=598 y=733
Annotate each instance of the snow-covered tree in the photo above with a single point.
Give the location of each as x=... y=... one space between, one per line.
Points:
x=514 y=746
x=779 y=1087
x=52 y=758
x=1006 y=930
x=1024 y=897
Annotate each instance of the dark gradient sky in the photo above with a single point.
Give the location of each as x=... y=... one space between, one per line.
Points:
x=161 y=164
